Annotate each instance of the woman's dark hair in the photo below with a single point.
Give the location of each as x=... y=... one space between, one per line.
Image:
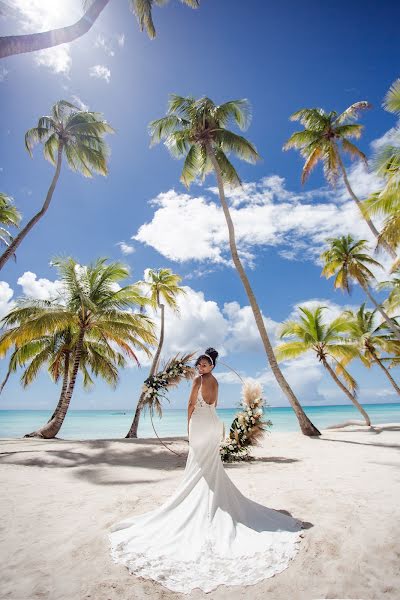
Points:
x=211 y=352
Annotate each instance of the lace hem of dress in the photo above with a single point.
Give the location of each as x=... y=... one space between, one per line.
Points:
x=209 y=570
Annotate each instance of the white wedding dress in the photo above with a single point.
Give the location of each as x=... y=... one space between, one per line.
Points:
x=207 y=533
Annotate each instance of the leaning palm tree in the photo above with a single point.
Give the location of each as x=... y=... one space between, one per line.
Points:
x=386 y=163
x=162 y=284
x=392 y=302
x=347 y=259
x=56 y=352
x=91 y=307
x=18 y=44
x=372 y=339
x=319 y=141
x=326 y=340
x=72 y=132
x=197 y=130
x=9 y=215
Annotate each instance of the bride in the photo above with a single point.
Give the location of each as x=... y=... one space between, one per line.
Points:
x=207 y=533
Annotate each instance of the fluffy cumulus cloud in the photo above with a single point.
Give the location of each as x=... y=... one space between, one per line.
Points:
x=39 y=288
x=100 y=72
x=6 y=302
x=125 y=248
x=265 y=213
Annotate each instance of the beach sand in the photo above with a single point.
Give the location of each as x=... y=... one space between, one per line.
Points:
x=58 y=499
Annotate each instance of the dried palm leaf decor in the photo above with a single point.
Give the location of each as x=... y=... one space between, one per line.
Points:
x=248 y=427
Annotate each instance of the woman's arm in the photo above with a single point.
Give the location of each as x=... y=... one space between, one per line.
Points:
x=216 y=399
x=193 y=397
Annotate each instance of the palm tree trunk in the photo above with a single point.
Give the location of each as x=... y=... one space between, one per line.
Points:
x=132 y=433
x=306 y=426
x=51 y=428
x=64 y=386
x=384 y=369
x=370 y=224
x=18 y=44
x=17 y=240
x=352 y=398
x=391 y=324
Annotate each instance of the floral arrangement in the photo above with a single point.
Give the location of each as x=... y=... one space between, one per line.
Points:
x=174 y=371
x=248 y=427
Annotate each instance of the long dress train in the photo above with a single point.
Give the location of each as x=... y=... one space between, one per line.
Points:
x=207 y=533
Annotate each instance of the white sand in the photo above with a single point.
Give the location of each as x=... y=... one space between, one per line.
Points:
x=58 y=499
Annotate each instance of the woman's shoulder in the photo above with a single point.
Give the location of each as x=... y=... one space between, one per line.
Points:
x=197 y=380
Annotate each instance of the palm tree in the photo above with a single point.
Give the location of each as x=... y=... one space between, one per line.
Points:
x=197 y=130
x=310 y=333
x=92 y=306
x=346 y=258
x=18 y=44
x=77 y=134
x=56 y=350
x=386 y=163
x=371 y=339
x=9 y=215
x=319 y=141
x=162 y=284
x=392 y=302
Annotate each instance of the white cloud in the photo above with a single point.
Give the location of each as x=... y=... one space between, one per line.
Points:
x=6 y=293
x=121 y=39
x=125 y=248
x=390 y=137
x=264 y=213
x=199 y=324
x=243 y=332
x=41 y=15
x=101 y=72
x=40 y=289
x=362 y=181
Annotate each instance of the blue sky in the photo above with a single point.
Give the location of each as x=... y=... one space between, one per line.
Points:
x=282 y=57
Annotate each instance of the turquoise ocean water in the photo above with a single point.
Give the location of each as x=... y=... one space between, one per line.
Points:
x=106 y=424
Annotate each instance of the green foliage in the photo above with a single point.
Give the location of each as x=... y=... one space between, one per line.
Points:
x=322 y=134
x=193 y=129
x=78 y=134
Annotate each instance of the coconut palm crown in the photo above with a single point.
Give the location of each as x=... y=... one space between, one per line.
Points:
x=77 y=133
x=192 y=127
x=322 y=134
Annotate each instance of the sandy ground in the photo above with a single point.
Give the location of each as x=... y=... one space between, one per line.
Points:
x=58 y=499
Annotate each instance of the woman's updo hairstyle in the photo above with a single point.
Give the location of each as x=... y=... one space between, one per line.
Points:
x=210 y=354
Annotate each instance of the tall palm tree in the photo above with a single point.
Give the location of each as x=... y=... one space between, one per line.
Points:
x=347 y=259
x=310 y=333
x=371 y=339
x=92 y=308
x=18 y=44
x=197 y=130
x=9 y=215
x=77 y=134
x=162 y=284
x=319 y=141
x=386 y=163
